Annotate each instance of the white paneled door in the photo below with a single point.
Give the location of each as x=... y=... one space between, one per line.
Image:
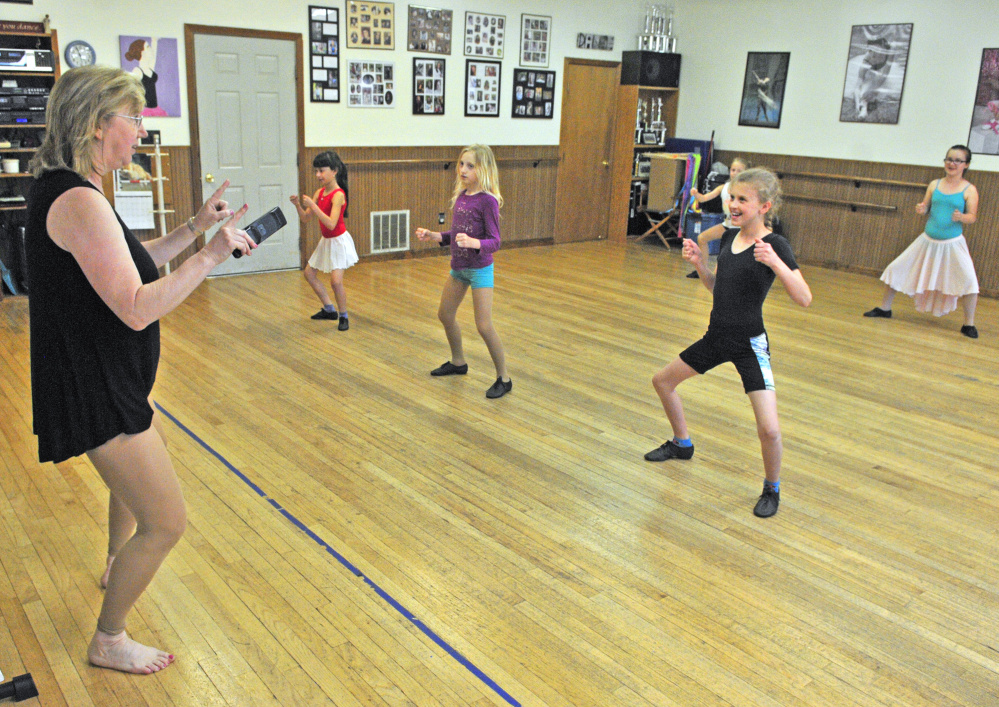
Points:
x=247 y=126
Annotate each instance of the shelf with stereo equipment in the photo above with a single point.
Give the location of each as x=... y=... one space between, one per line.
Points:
x=29 y=66
x=650 y=89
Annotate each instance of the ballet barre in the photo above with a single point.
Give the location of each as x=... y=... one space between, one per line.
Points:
x=535 y=161
x=857 y=181
x=853 y=205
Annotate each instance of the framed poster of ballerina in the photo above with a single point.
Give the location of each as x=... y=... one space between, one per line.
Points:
x=763 y=89
x=984 y=136
x=875 y=73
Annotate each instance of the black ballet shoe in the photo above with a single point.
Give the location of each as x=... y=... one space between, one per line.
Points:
x=323 y=314
x=449 y=369
x=499 y=388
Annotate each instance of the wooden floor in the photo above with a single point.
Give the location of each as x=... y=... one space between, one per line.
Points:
x=520 y=551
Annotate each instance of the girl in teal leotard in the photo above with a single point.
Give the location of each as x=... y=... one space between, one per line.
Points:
x=936 y=270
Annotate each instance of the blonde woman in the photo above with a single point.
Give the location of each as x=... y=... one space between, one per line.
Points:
x=96 y=300
x=473 y=238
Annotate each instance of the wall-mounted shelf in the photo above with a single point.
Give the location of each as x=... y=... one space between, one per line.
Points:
x=14 y=184
x=625 y=149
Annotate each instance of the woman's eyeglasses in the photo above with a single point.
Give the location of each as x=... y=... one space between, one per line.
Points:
x=137 y=119
x=952 y=160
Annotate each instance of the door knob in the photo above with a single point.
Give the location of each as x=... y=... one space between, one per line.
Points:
x=605 y=163
x=209 y=178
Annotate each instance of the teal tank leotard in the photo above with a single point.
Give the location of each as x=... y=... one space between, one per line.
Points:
x=940 y=226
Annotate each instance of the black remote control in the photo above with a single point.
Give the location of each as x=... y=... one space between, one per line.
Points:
x=264 y=227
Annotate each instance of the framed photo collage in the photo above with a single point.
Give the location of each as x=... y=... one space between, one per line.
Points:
x=367 y=24
x=324 y=54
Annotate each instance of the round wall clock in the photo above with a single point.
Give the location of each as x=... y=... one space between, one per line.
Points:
x=80 y=53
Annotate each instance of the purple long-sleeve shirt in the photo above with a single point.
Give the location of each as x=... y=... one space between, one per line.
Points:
x=478 y=216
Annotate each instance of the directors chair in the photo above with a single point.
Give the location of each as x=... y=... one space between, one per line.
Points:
x=668 y=191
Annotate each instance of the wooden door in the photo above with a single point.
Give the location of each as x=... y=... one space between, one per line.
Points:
x=586 y=154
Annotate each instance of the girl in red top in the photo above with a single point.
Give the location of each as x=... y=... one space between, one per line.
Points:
x=335 y=252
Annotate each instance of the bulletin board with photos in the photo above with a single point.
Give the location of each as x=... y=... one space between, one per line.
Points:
x=370 y=84
x=484 y=35
x=482 y=88
x=324 y=54
x=370 y=25
x=533 y=93
x=428 y=86
x=535 y=39
x=429 y=30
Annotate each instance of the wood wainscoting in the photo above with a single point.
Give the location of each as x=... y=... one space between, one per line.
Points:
x=862 y=224
x=416 y=178
x=421 y=180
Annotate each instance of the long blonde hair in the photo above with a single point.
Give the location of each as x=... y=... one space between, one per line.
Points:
x=81 y=101
x=485 y=171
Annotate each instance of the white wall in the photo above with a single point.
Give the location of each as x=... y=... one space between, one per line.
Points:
x=937 y=100
x=714 y=37
x=100 y=23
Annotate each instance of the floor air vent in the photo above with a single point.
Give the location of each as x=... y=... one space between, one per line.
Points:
x=389 y=231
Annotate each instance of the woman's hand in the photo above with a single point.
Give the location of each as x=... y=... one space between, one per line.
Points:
x=692 y=252
x=230 y=238
x=213 y=211
x=426 y=235
x=463 y=240
x=921 y=208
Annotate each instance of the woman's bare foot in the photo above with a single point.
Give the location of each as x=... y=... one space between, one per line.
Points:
x=119 y=652
x=107 y=573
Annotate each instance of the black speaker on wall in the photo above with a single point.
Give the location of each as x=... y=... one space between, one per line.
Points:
x=650 y=69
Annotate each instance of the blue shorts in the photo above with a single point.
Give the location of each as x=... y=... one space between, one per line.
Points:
x=476 y=277
x=751 y=357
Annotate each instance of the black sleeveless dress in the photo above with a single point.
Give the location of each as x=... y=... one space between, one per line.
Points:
x=91 y=374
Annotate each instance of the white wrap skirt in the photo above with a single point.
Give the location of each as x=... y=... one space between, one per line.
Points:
x=934 y=273
x=334 y=253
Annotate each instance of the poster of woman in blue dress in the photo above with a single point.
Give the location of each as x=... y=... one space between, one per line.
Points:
x=154 y=62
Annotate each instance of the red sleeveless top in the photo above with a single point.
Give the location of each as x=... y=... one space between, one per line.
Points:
x=325 y=202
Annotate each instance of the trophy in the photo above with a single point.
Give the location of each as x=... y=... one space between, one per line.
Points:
x=658 y=34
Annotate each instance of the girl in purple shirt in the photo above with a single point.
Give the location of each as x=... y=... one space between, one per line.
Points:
x=473 y=238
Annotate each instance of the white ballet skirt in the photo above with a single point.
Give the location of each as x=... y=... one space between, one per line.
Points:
x=934 y=273
x=336 y=253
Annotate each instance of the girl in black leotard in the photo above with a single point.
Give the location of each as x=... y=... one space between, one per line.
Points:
x=751 y=257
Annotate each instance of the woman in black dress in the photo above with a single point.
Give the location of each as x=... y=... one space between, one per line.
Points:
x=96 y=299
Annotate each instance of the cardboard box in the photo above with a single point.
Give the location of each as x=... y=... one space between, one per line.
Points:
x=666 y=176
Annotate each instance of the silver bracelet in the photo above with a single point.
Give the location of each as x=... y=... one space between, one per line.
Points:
x=192 y=229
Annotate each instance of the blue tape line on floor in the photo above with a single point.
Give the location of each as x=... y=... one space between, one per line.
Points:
x=485 y=679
